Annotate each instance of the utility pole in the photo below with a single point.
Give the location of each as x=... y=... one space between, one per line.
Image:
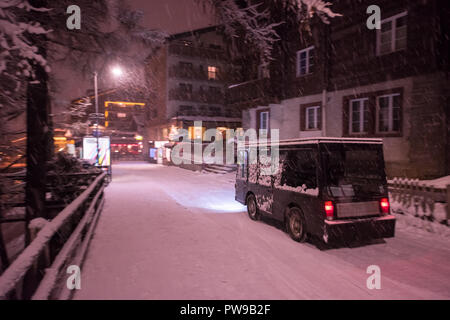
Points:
x=97 y=131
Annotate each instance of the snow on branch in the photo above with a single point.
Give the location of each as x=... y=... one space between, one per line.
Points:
x=249 y=19
x=14 y=42
x=254 y=19
x=77 y=115
x=17 y=54
x=306 y=9
x=131 y=20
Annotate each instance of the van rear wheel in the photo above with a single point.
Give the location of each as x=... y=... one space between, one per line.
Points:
x=252 y=207
x=295 y=224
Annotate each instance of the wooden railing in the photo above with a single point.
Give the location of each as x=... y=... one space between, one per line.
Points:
x=39 y=271
x=409 y=196
x=61 y=189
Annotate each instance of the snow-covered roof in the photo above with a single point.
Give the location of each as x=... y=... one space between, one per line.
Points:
x=317 y=140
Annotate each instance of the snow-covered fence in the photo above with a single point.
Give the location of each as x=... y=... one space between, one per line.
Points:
x=411 y=197
x=64 y=240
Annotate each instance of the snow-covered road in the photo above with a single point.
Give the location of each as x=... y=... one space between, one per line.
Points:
x=169 y=233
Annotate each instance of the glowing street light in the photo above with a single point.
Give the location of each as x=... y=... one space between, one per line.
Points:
x=117 y=71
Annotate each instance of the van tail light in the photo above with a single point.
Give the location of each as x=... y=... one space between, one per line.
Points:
x=329 y=210
x=384 y=205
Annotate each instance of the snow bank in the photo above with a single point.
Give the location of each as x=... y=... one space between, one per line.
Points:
x=442 y=182
x=412 y=223
x=417 y=216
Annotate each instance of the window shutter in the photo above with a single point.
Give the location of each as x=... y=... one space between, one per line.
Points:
x=345 y=116
x=319 y=118
x=371 y=103
x=302 y=118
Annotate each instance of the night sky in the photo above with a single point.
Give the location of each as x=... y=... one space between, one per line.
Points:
x=173 y=15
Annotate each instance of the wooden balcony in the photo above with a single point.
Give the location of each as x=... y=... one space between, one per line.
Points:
x=181 y=49
x=197 y=96
x=196 y=74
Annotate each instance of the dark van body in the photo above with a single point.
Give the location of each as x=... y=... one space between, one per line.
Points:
x=334 y=188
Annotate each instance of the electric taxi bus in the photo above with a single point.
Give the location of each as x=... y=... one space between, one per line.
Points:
x=333 y=188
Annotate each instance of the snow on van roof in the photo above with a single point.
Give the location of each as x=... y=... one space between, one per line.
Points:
x=317 y=140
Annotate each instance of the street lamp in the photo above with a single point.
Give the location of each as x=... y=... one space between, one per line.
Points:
x=96 y=117
x=117 y=72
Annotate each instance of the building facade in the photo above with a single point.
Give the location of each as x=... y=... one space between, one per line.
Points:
x=346 y=80
x=188 y=77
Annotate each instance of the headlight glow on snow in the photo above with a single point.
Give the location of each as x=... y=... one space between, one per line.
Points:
x=226 y=206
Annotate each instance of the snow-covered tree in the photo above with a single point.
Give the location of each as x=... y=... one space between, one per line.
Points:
x=77 y=120
x=15 y=47
x=252 y=19
x=17 y=55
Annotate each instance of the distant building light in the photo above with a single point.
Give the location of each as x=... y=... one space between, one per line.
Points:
x=212 y=72
x=123 y=103
x=68 y=133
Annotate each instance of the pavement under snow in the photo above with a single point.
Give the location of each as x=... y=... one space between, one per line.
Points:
x=169 y=233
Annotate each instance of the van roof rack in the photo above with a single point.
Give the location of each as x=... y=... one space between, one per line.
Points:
x=316 y=140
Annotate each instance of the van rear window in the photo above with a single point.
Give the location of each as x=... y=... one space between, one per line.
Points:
x=353 y=170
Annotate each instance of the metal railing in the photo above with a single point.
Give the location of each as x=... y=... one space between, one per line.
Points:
x=63 y=241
